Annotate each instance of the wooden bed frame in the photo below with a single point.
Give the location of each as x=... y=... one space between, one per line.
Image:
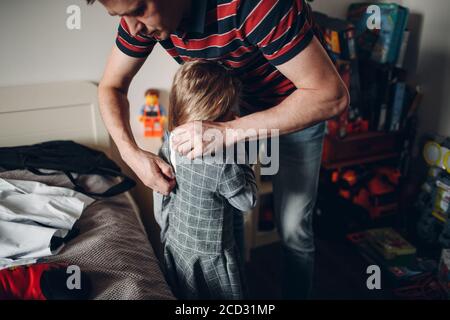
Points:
x=55 y=111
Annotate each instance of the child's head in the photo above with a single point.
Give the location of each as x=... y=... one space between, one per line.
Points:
x=202 y=91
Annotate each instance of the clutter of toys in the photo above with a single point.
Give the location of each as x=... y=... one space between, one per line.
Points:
x=412 y=277
x=374 y=189
x=371 y=63
x=409 y=276
x=368 y=150
x=381 y=121
x=434 y=200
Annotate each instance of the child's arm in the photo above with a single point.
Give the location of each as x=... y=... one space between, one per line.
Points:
x=238 y=186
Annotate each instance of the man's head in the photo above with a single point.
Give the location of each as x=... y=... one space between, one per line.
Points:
x=203 y=91
x=159 y=18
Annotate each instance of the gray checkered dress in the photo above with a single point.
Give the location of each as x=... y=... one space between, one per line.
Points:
x=201 y=258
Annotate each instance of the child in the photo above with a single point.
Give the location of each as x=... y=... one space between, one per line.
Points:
x=201 y=258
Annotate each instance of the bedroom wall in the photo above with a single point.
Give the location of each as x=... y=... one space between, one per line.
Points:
x=433 y=62
x=334 y=8
x=37 y=47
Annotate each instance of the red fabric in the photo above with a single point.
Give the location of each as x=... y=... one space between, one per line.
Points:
x=23 y=283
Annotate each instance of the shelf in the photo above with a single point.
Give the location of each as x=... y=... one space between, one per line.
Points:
x=264 y=238
x=366 y=160
x=361 y=148
x=369 y=135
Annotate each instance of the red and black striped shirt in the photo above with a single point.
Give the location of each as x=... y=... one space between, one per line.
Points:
x=251 y=37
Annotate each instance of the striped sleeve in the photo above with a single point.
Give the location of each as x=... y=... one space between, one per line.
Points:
x=137 y=47
x=281 y=29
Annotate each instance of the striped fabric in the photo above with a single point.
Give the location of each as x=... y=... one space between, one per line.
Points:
x=251 y=37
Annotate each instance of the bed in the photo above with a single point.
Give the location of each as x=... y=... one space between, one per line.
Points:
x=111 y=247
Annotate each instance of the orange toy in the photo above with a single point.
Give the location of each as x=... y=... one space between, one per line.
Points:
x=151 y=115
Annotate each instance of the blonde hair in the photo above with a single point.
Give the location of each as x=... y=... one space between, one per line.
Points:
x=202 y=91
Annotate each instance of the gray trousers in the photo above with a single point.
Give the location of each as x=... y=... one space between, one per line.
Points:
x=295 y=194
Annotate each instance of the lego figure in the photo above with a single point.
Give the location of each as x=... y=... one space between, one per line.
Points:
x=152 y=115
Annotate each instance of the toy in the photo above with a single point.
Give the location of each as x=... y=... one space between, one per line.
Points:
x=411 y=277
x=384 y=246
x=152 y=115
x=383 y=191
x=425 y=198
x=437 y=154
x=374 y=190
x=422 y=287
x=391 y=246
x=434 y=199
x=441 y=208
x=379 y=44
x=444 y=273
x=351 y=181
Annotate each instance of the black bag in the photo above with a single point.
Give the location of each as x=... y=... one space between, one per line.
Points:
x=68 y=157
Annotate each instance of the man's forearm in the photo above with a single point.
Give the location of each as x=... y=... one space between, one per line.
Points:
x=302 y=109
x=115 y=110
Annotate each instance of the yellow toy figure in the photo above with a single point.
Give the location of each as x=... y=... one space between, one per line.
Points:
x=152 y=115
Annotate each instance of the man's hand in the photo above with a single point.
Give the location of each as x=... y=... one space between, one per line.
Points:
x=153 y=171
x=199 y=138
x=114 y=106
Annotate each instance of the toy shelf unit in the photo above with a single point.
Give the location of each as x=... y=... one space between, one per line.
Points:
x=368 y=148
x=366 y=170
x=260 y=222
x=361 y=148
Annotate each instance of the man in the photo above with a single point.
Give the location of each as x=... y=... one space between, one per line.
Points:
x=289 y=84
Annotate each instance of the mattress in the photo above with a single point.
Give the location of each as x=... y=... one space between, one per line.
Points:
x=111 y=246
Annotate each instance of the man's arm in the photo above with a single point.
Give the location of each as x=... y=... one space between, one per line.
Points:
x=320 y=95
x=115 y=110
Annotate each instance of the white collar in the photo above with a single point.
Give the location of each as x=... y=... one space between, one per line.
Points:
x=173 y=158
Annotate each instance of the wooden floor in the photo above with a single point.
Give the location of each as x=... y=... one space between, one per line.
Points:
x=340 y=274
x=340 y=270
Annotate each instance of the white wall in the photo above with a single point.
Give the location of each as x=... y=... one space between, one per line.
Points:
x=334 y=8
x=433 y=67
x=37 y=47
